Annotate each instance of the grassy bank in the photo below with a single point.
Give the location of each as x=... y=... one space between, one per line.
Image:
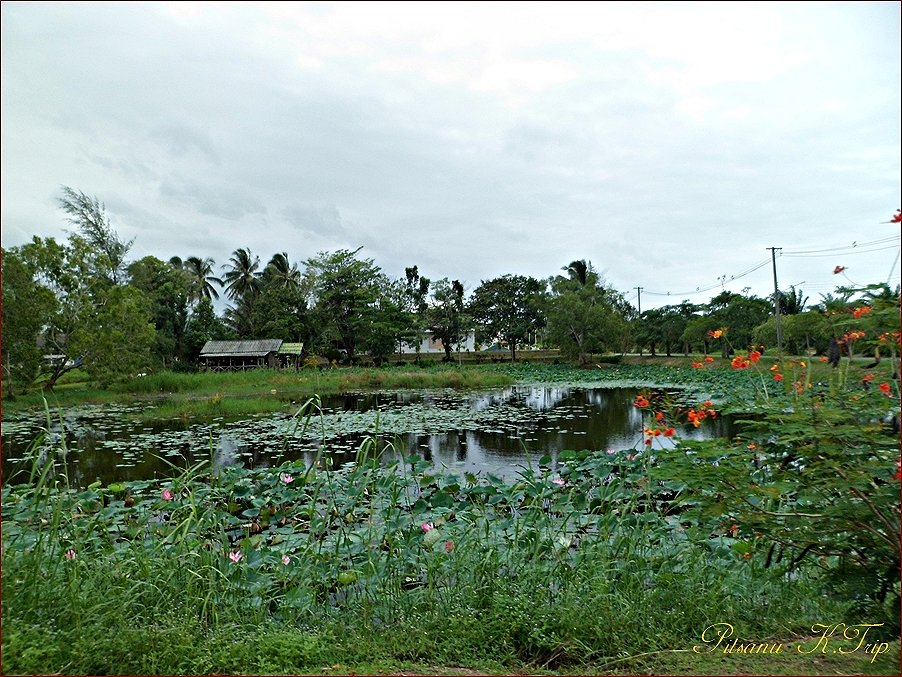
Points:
x=293 y=570
x=259 y=390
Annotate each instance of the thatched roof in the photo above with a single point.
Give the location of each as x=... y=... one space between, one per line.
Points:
x=259 y=348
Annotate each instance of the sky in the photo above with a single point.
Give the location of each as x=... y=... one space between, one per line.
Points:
x=670 y=144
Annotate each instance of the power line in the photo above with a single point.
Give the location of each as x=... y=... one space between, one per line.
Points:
x=838 y=253
x=719 y=283
x=854 y=245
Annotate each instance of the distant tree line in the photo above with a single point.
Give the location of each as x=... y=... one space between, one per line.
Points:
x=81 y=303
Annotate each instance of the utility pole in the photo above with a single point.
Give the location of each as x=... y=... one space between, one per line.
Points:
x=773 y=258
x=639 y=292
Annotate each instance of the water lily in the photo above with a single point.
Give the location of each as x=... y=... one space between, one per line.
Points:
x=235 y=556
x=559 y=481
x=286 y=478
x=166 y=494
x=285 y=559
x=427 y=527
x=70 y=554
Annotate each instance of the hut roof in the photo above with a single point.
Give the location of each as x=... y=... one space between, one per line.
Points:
x=259 y=348
x=291 y=349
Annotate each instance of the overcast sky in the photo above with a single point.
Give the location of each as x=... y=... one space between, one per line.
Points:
x=670 y=143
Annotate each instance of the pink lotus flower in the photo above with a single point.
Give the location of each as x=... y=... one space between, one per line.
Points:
x=70 y=554
x=286 y=478
x=427 y=526
x=166 y=494
x=285 y=559
x=611 y=451
x=559 y=481
x=235 y=556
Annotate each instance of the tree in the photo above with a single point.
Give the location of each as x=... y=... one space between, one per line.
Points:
x=201 y=278
x=241 y=276
x=280 y=311
x=792 y=302
x=282 y=273
x=27 y=307
x=445 y=315
x=508 y=308
x=107 y=251
x=203 y=326
x=168 y=291
x=345 y=290
x=117 y=337
x=585 y=318
x=579 y=271
x=96 y=320
x=416 y=291
x=64 y=270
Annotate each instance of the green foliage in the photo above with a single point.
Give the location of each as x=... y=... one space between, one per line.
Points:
x=509 y=308
x=446 y=314
x=812 y=478
x=345 y=290
x=168 y=290
x=804 y=332
x=117 y=337
x=585 y=318
x=27 y=308
x=286 y=569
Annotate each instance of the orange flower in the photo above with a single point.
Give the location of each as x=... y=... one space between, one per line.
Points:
x=885 y=388
x=754 y=356
x=861 y=310
x=659 y=416
x=709 y=359
x=775 y=367
x=868 y=378
x=752 y=446
x=640 y=402
x=697 y=365
x=778 y=376
x=822 y=358
x=838 y=270
x=803 y=365
x=715 y=333
x=739 y=362
x=669 y=432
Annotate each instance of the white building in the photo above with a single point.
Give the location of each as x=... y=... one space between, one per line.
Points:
x=433 y=344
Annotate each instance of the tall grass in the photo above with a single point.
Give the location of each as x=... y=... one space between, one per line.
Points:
x=554 y=569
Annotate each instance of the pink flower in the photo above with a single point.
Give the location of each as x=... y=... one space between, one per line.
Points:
x=235 y=556
x=559 y=481
x=70 y=554
x=611 y=451
x=286 y=478
x=632 y=457
x=449 y=546
x=427 y=526
x=285 y=559
x=166 y=494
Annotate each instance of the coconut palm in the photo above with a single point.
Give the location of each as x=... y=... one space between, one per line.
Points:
x=201 y=278
x=281 y=273
x=241 y=276
x=578 y=271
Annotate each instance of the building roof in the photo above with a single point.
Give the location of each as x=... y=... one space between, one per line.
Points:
x=291 y=349
x=259 y=348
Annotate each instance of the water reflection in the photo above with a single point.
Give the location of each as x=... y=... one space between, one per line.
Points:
x=496 y=431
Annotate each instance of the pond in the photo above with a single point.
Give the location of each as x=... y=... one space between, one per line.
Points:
x=497 y=431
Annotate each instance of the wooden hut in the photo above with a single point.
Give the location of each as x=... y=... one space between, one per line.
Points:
x=237 y=355
x=290 y=355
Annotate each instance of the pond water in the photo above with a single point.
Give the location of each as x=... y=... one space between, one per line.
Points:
x=496 y=431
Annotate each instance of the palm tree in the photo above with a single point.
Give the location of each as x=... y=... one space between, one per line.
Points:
x=241 y=277
x=579 y=271
x=201 y=278
x=281 y=273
